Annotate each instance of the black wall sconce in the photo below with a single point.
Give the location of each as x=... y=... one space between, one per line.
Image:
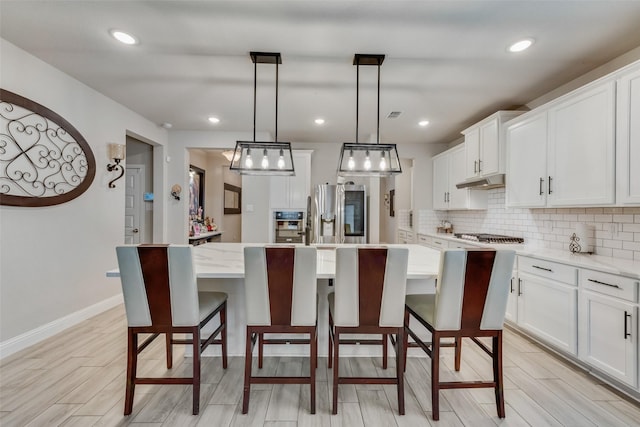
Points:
x=116 y=152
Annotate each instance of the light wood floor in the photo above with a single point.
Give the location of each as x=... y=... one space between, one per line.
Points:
x=77 y=379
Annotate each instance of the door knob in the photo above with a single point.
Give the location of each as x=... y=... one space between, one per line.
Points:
x=135 y=230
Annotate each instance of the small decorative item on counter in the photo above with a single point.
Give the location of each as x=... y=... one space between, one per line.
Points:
x=581 y=241
x=445 y=227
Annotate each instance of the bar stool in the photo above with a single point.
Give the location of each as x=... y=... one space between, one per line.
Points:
x=370 y=287
x=470 y=301
x=281 y=298
x=161 y=297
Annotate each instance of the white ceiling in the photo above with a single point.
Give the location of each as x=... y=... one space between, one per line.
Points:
x=446 y=60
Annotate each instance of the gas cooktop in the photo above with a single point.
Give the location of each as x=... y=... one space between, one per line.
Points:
x=489 y=238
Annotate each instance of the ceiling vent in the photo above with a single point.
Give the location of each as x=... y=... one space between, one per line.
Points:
x=394 y=114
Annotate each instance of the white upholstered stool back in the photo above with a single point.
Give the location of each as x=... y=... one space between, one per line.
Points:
x=280 y=285
x=159 y=285
x=472 y=289
x=370 y=286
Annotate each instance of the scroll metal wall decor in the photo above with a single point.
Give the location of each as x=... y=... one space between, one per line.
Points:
x=44 y=160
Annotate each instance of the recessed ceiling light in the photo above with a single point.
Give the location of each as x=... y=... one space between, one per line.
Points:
x=319 y=121
x=214 y=120
x=423 y=123
x=521 y=45
x=166 y=125
x=123 y=37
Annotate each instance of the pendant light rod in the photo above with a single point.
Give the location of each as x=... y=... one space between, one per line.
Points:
x=255 y=90
x=357 y=98
x=276 y=102
x=367 y=59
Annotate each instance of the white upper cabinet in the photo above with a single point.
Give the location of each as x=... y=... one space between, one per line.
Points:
x=484 y=145
x=581 y=148
x=628 y=137
x=527 y=161
x=563 y=153
x=291 y=192
x=448 y=170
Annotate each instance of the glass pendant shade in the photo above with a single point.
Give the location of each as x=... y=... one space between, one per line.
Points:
x=368 y=160
x=263 y=158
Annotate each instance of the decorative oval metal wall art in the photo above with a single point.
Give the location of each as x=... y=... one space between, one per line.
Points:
x=44 y=160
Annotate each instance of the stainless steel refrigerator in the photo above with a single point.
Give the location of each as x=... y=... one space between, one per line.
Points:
x=339 y=214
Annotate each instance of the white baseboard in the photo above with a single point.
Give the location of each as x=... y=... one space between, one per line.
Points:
x=48 y=330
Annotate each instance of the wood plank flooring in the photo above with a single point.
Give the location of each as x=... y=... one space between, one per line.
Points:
x=77 y=379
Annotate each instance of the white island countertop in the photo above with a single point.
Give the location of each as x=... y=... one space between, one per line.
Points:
x=226 y=261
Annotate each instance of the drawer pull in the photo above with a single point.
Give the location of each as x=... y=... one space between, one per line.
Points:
x=603 y=283
x=542 y=268
x=626 y=330
x=438 y=243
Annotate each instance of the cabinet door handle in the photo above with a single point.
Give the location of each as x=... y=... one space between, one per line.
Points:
x=541 y=182
x=626 y=327
x=550 y=185
x=542 y=268
x=519 y=287
x=445 y=197
x=479 y=165
x=511 y=291
x=603 y=283
x=475 y=166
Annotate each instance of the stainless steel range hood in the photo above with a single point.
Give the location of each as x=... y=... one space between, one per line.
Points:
x=483 y=183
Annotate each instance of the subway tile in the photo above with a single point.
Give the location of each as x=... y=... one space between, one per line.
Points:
x=613 y=210
x=586 y=218
x=631 y=228
x=603 y=218
x=631 y=246
x=614 y=244
x=594 y=211
x=623 y=218
x=604 y=251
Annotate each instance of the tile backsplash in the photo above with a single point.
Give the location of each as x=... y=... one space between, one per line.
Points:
x=617 y=230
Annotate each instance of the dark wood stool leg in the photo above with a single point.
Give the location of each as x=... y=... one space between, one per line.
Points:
x=330 y=339
x=132 y=361
x=400 y=357
x=260 y=349
x=435 y=376
x=223 y=321
x=405 y=341
x=385 y=340
x=458 y=353
x=196 y=370
x=247 y=373
x=497 y=373
x=169 y=337
x=313 y=341
x=336 y=363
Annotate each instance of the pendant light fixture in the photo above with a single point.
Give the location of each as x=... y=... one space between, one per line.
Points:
x=368 y=159
x=260 y=157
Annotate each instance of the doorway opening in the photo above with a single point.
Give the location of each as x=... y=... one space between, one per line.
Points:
x=138 y=215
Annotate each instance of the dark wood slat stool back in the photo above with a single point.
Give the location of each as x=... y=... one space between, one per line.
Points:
x=370 y=286
x=161 y=297
x=470 y=301
x=281 y=298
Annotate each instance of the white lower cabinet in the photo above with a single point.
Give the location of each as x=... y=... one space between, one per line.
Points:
x=432 y=242
x=608 y=325
x=548 y=302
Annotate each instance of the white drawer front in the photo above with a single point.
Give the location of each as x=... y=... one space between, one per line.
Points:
x=609 y=284
x=552 y=270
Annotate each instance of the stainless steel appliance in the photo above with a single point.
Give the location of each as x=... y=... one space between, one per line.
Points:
x=289 y=227
x=339 y=214
x=489 y=238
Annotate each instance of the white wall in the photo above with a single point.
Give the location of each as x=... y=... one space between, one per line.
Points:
x=53 y=259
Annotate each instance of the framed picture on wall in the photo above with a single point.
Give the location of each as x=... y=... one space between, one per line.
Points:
x=196 y=192
x=232 y=199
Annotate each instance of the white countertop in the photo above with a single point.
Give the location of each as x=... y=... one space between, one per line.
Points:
x=226 y=261
x=605 y=264
x=205 y=235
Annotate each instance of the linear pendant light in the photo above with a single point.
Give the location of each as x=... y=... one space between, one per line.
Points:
x=262 y=157
x=368 y=159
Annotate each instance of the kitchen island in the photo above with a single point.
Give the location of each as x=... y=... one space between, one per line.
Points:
x=220 y=267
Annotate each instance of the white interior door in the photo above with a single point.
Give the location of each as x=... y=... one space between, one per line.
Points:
x=134 y=205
